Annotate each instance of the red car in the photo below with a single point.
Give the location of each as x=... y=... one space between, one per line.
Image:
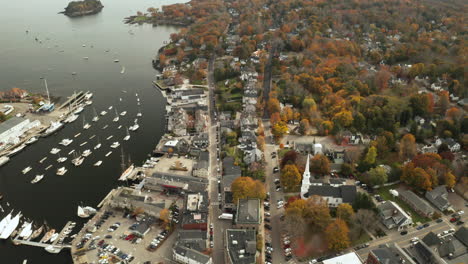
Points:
x=453 y=220
x=130 y=237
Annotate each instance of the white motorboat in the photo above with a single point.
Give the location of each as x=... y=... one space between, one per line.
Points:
x=127 y=137
x=78 y=161
x=119 y=127
x=55 y=150
x=31 y=140
x=10 y=226
x=84 y=143
x=110 y=107
x=54 y=127
x=61 y=171
x=123 y=70
x=77 y=135
x=115 y=145
x=48 y=167
x=26 y=170
x=108 y=153
x=16 y=150
x=97 y=146
x=123 y=113
x=93 y=136
x=88 y=102
x=106 y=126
x=139 y=114
x=85 y=125
x=98 y=163
x=71 y=152
x=26 y=230
x=4 y=160
x=42 y=160
x=78 y=110
x=96 y=117
x=66 y=141
x=54 y=237
x=116 y=60
x=62 y=159
x=88 y=96
x=109 y=137
x=53 y=249
x=103 y=113
x=37 y=178
x=86 y=153
x=116 y=118
x=85 y=58
x=71 y=118
x=134 y=127
x=85 y=212
x=127 y=173
x=5 y=222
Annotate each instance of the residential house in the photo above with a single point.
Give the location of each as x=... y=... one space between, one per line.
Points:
x=452 y=246
x=241 y=246
x=439 y=197
x=252 y=154
x=417 y=203
x=176 y=146
x=248 y=214
x=177 y=122
x=451 y=143
x=201 y=121
x=230 y=173
x=429 y=149
x=201 y=168
x=392 y=216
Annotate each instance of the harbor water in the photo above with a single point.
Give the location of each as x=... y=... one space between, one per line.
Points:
x=86 y=46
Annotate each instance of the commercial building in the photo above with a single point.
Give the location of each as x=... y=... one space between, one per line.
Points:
x=389 y=254
x=241 y=246
x=248 y=215
x=12 y=129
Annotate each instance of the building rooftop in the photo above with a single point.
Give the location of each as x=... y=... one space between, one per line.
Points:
x=248 y=211
x=198 y=257
x=194 y=239
x=346 y=192
x=462 y=235
x=350 y=258
x=391 y=254
x=438 y=196
x=10 y=123
x=241 y=246
x=416 y=202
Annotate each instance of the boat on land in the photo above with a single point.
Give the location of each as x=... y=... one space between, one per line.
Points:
x=61 y=171
x=55 y=151
x=86 y=211
x=26 y=170
x=31 y=140
x=37 y=178
x=16 y=150
x=66 y=141
x=98 y=163
x=127 y=173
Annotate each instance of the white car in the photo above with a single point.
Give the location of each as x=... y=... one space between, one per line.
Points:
x=461 y=212
x=414 y=239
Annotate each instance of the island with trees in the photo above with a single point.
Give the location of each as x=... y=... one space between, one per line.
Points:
x=83 y=8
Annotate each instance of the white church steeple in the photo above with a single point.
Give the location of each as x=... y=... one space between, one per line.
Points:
x=305 y=179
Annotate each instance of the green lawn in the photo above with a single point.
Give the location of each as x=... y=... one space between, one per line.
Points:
x=361 y=240
x=384 y=192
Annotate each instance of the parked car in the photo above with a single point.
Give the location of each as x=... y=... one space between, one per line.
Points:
x=403 y=233
x=275 y=169
x=453 y=220
x=440 y=220
x=460 y=222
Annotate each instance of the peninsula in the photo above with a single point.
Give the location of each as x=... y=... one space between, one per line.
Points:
x=83 y=8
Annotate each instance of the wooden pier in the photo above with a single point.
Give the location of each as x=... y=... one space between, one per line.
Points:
x=54 y=244
x=78 y=98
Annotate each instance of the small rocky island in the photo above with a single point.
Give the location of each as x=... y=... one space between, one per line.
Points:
x=83 y=8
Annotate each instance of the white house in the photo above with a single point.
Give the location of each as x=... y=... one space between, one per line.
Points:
x=186 y=255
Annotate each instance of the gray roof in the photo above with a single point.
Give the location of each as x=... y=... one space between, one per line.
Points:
x=194 y=239
x=431 y=239
x=416 y=202
x=241 y=246
x=248 y=211
x=438 y=197
x=229 y=168
x=195 y=184
x=462 y=235
x=191 y=254
x=389 y=254
x=346 y=192
x=201 y=164
x=392 y=214
x=10 y=123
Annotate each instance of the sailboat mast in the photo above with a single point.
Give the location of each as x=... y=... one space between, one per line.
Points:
x=47 y=90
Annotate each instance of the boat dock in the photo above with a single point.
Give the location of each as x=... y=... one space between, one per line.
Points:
x=55 y=244
x=75 y=98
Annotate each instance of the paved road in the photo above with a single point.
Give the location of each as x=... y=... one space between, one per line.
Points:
x=404 y=241
x=267 y=81
x=276 y=224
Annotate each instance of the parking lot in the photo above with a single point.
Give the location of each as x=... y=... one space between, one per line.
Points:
x=117 y=239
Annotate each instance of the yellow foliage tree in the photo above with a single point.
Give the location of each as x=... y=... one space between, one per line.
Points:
x=337 y=235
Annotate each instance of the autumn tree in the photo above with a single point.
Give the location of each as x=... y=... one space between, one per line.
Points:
x=273 y=105
x=416 y=177
x=304 y=127
x=164 y=215
x=317 y=213
x=371 y=156
x=343 y=119
x=345 y=212
x=279 y=129
x=365 y=219
x=261 y=142
x=289 y=157
x=407 y=147
x=320 y=164
x=246 y=187
x=337 y=235
x=290 y=177
x=449 y=179
x=377 y=176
